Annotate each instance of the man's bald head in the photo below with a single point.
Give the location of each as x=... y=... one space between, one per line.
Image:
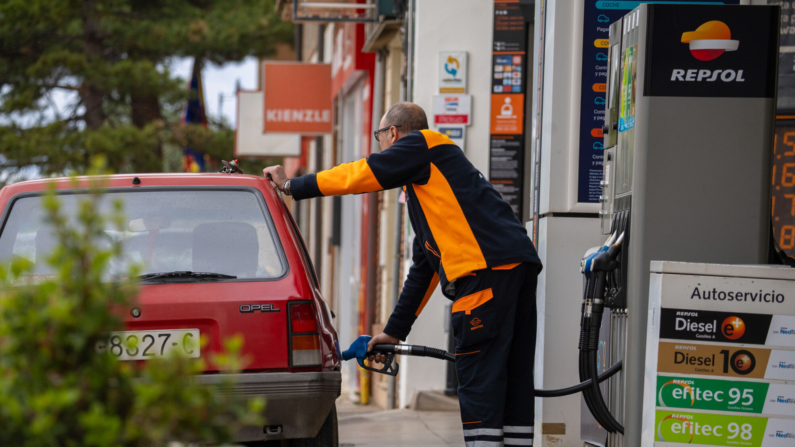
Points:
x=408 y=116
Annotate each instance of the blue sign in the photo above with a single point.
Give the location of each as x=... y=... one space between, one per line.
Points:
x=596 y=27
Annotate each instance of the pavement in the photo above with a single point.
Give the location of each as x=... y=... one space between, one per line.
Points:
x=369 y=426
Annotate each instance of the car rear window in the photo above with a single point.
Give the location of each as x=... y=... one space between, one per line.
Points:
x=212 y=231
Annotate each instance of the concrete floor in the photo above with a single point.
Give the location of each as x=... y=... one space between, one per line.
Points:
x=368 y=426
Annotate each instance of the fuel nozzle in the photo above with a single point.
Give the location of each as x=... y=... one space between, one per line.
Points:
x=358 y=350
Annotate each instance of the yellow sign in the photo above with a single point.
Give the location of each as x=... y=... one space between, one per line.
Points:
x=601 y=43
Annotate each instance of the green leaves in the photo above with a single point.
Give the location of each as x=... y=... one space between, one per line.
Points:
x=56 y=390
x=115 y=54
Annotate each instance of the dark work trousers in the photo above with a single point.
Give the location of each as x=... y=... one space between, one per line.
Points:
x=494 y=323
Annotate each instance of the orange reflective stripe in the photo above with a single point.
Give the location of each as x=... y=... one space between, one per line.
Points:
x=506 y=266
x=469 y=302
x=434 y=138
x=348 y=178
x=428 y=293
x=466 y=353
x=460 y=251
x=473 y=422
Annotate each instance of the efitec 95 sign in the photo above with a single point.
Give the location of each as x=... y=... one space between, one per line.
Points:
x=711 y=51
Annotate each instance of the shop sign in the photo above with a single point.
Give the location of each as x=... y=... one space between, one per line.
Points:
x=452 y=109
x=452 y=72
x=297 y=98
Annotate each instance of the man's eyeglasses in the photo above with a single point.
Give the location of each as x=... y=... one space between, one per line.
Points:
x=375 y=134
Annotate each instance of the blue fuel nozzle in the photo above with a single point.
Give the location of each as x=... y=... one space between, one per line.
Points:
x=358 y=350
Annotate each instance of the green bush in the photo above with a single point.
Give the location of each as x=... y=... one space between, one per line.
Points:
x=56 y=390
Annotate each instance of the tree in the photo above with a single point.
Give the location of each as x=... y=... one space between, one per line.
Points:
x=111 y=57
x=56 y=390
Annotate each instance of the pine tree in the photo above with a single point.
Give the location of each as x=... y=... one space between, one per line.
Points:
x=112 y=57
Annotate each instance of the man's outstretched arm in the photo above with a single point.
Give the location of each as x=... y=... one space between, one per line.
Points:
x=405 y=162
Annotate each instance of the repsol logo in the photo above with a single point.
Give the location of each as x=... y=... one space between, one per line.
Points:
x=695 y=75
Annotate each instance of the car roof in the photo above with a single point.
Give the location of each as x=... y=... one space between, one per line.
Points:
x=126 y=180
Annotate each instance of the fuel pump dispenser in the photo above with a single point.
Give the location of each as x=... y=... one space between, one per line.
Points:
x=687 y=167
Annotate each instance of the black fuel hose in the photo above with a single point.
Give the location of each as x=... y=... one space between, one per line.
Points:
x=610 y=372
x=425 y=351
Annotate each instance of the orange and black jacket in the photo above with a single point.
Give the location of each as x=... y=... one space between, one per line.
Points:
x=461 y=222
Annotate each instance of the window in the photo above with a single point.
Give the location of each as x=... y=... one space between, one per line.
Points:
x=213 y=231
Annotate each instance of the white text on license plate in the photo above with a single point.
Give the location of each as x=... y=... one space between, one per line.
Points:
x=143 y=345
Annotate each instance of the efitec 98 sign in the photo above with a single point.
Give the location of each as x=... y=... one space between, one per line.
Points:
x=711 y=51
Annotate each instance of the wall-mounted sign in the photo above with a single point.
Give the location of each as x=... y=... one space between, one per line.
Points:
x=297 y=98
x=508 y=67
x=507 y=117
x=452 y=72
x=455 y=133
x=250 y=141
x=452 y=109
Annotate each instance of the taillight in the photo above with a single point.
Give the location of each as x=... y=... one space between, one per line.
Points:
x=304 y=336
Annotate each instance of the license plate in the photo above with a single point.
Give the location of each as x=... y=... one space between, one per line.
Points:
x=143 y=345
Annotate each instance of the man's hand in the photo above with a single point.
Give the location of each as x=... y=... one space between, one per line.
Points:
x=276 y=174
x=379 y=339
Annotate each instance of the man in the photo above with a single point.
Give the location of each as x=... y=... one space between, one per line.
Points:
x=467 y=238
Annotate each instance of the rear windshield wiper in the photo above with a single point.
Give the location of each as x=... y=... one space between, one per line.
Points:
x=186 y=274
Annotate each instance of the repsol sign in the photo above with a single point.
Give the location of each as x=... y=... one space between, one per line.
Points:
x=725 y=327
x=696 y=75
x=708 y=52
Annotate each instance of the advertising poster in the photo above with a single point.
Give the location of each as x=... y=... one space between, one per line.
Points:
x=508 y=89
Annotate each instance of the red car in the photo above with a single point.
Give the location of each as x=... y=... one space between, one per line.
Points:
x=222 y=256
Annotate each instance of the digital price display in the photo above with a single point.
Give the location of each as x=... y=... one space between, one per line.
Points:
x=783 y=193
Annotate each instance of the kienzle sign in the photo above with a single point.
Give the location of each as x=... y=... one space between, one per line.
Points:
x=711 y=51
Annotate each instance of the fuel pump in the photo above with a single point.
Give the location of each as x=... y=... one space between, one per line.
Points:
x=686 y=173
